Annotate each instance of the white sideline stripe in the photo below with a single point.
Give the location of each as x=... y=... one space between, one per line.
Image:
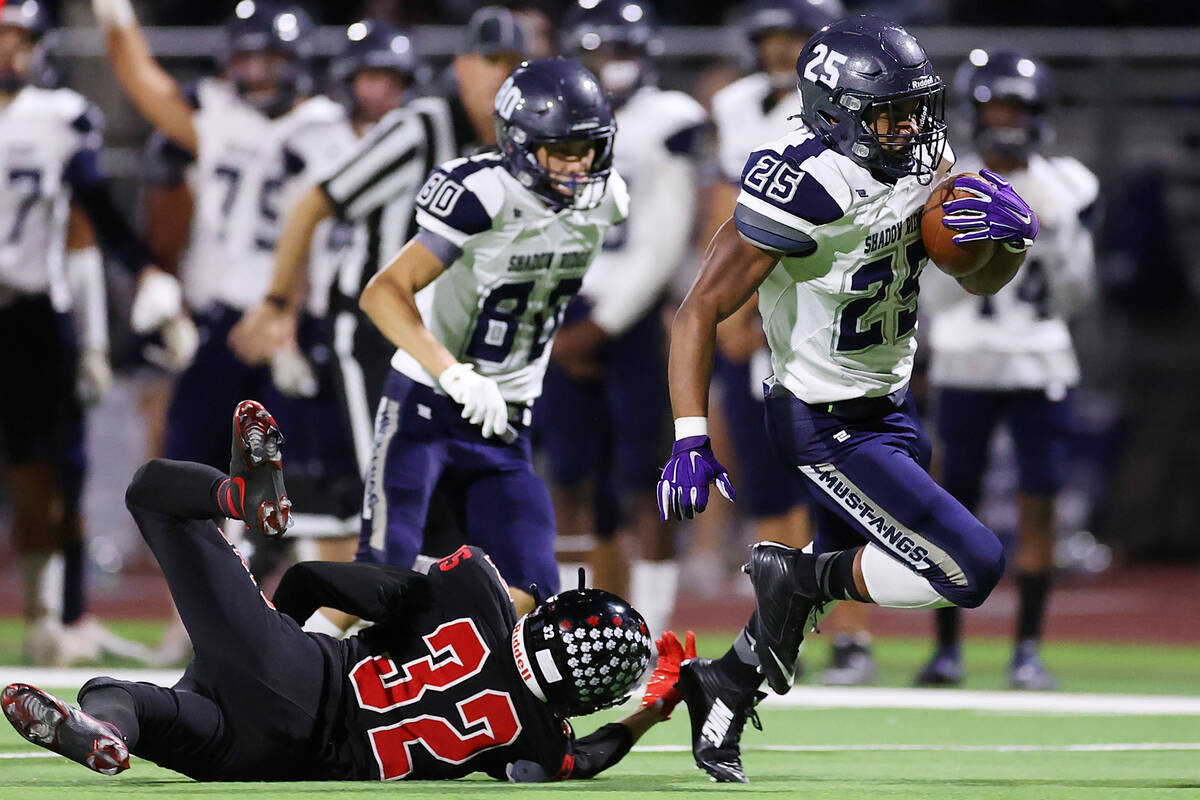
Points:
x=800 y=697
x=1101 y=747
x=1001 y=701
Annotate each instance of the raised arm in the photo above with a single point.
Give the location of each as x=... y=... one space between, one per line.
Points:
x=155 y=93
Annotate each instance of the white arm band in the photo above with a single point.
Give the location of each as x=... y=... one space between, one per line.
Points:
x=690 y=426
x=85 y=274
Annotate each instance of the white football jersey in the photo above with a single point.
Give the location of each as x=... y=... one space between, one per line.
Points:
x=1018 y=338
x=840 y=321
x=745 y=117
x=249 y=171
x=653 y=152
x=40 y=131
x=499 y=303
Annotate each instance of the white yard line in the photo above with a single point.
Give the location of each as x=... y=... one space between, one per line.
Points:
x=999 y=701
x=1103 y=747
x=800 y=697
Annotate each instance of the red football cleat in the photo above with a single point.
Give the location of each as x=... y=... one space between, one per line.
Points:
x=48 y=722
x=256 y=463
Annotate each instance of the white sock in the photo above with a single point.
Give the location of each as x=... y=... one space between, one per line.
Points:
x=894 y=585
x=36 y=593
x=319 y=623
x=652 y=586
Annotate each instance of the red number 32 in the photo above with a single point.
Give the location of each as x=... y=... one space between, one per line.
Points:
x=488 y=718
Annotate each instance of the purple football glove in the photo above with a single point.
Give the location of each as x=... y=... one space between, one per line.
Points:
x=994 y=211
x=683 y=490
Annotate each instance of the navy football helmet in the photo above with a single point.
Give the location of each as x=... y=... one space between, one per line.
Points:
x=32 y=17
x=617 y=40
x=860 y=70
x=796 y=16
x=553 y=101
x=1006 y=77
x=265 y=26
x=373 y=45
x=581 y=650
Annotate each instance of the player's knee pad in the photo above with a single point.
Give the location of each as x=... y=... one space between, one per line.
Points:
x=982 y=561
x=145 y=481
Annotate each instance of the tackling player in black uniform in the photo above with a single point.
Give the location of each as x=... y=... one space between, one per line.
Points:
x=447 y=682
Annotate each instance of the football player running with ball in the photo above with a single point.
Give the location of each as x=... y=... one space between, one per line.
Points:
x=504 y=241
x=448 y=681
x=826 y=230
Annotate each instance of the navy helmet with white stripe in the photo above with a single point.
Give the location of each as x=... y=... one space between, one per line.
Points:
x=1006 y=77
x=863 y=68
x=617 y=40
x=581 y=650
x=270 y=27
x=31 y=17
x=548 y=102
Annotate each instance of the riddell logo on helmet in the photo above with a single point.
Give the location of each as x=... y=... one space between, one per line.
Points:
x=923 y=81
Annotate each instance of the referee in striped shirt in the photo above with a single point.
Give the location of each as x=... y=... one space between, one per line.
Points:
x=375 y=187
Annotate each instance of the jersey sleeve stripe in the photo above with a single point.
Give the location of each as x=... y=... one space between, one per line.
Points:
x=789 y=221
x=436 y=226
x=767 y=234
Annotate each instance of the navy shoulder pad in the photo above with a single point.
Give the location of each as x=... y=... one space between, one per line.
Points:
x=777 y=179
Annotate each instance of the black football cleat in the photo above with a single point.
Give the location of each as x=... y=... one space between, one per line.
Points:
x=718 y=709
x=48 y=722
x=785 y=596
x=256 y=469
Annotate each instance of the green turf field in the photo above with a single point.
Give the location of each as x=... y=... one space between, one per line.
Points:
x=812 y=753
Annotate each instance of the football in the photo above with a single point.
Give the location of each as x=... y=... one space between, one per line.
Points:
x=955 y=260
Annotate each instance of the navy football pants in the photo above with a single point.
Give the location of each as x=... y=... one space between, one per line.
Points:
x=869 y=483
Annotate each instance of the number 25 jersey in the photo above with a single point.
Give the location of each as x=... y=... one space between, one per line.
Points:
x=498 y=304
x=840 y=311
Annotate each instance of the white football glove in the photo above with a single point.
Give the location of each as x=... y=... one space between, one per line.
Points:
x=159 y=298
x=114 y=13
x=180 y=339
x=93 y=376
x=291 y=373
x=479 y=396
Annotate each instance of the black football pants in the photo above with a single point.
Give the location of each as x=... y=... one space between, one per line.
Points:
x=248 y=706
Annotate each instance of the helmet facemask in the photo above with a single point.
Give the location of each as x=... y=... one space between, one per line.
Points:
x=903 y=135
x=575 y=190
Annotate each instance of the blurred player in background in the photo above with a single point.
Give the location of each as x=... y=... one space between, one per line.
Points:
x=748 y=112
x=258 y=138
x=372 y=76
x=374 y=186
x=297 y=706
x=504 y=240
x=1008 y=359
x=826 y=229
x=604 y=410
x=52 y=188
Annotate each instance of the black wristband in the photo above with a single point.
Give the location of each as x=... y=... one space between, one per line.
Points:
x=277 y=302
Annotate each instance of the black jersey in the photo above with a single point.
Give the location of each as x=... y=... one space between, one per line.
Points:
x=440 y=697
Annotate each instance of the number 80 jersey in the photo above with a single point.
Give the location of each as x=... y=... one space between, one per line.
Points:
x=840 y=308
x=500 y=301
